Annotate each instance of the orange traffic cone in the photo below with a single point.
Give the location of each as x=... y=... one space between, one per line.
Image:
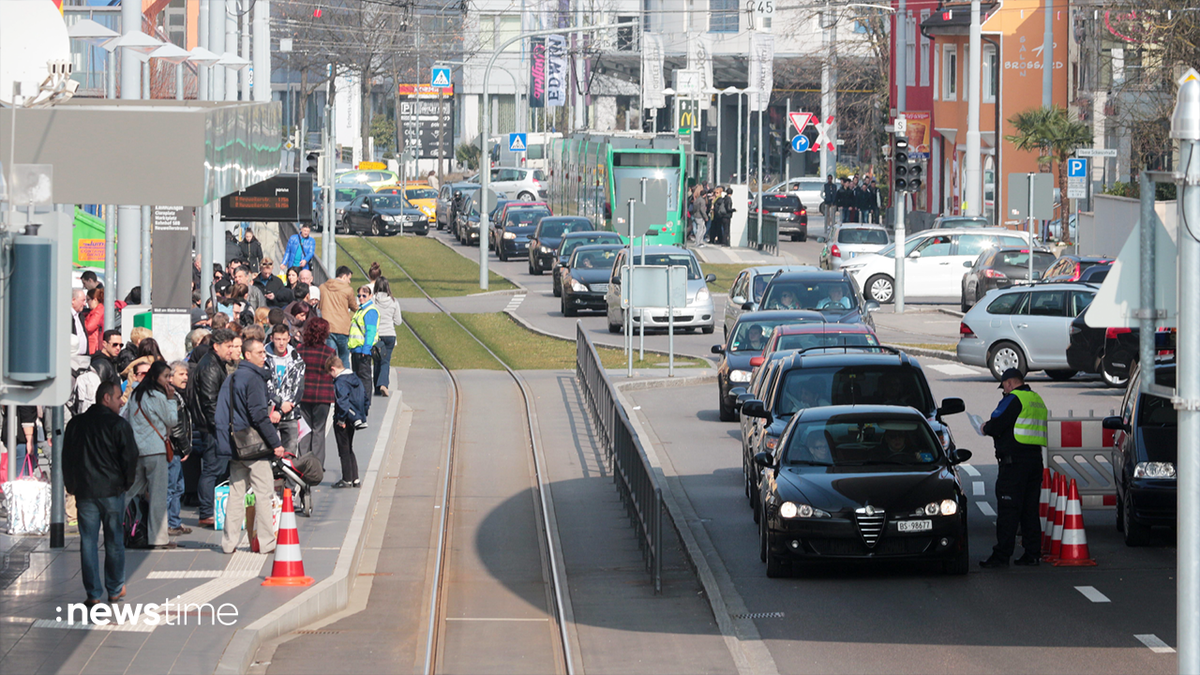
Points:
x=289 y=568
x=1059 y=518
x=1074 y=540
x=1044 y=503
x=1048 y=521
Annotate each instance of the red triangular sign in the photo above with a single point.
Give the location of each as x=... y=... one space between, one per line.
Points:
x=800 y=120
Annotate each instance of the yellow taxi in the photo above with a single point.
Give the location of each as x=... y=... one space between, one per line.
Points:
x=418 y=194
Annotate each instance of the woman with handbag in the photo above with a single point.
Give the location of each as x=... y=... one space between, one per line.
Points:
x=153 y=414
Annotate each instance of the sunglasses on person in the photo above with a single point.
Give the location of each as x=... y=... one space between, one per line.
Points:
x=364 y=295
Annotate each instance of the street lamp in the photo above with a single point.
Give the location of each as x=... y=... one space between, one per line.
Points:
x=175 y=54
x=204 y=59
x=94 y=34
x=233 y=63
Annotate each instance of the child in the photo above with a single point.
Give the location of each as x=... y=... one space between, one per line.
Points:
x=349 y=398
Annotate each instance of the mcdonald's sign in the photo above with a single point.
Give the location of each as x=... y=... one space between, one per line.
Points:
x=689 y=116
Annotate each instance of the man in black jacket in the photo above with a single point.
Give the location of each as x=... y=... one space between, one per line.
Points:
x=244 y=405
x=722 y=213
x=99 y=461
x=276 y=293
x=828 y=196
x=845 y=200
x=103 y=360
x=209 y=376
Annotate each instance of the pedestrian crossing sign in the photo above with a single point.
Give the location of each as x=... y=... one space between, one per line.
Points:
x=441 y=78
x=516 y=143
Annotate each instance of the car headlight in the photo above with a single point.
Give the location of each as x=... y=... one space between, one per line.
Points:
x=793 y=510
x=509 y=235
x=341 y=211
x=1154 y=470
x=545 y=249
x=390 y=219
x=770 y=443
x=946 y=507
x=702 y=295
x=739 y=376
x=949 y=507
x=578 y=287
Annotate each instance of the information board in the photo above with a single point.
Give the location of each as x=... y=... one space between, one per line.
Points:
x=419 y=119
x=284 y=198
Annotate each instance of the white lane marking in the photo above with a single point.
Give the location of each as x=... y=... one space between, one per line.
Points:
x=953 y=369
x=1092 y=594
x=971 y=471
x=986 y=508
x=184 y=574
x=1156 y=645
x=515 y=302
x=977 y=488
x=485 y=618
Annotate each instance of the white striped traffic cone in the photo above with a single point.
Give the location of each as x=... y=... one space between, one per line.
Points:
x=1048 y=521
x=289 y=567
x=1060 y=511
x=1074 y=540
x=1044 y=503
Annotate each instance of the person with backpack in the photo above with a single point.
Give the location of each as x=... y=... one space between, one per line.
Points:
x=153 y=414
x=348 y=411
x=722 y=213
x=181 y=444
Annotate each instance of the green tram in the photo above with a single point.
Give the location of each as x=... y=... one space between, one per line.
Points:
x=591 y=172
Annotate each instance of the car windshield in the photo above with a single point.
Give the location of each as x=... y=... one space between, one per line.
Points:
x=422 y=193
x=524 y=217
x=964 y=221
x=808 y=340
x=810 y=387
x=1158 y=421
x=557 y=228
x=593 y=260
x=571 y=243
x=821 y=295
x=538 y=174
x=781 y=202
x=857 y=440
x=853 y=235
x=348 y=194
x=1041 y=259
x=752 y=336
x=672 y=260
x=890 y=249
x=386 y=202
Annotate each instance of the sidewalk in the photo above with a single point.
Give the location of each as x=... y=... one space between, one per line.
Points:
x=37 y=584
x=732 y=255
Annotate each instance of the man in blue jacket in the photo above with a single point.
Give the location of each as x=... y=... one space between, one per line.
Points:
x=300 y=249
x=243 y=404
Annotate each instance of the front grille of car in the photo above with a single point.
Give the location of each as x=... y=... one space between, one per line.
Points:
x=870 y=524
x=837 y=546
x=663 y=318
x=903 y=545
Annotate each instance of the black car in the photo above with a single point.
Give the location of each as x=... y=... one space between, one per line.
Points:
x=1145 y=444
x=832 y=293
x=383 y=214
x=447 y=211
x=747 y=339
x=790 y=213
x=466 y=226
x=1096 y=274
x=1070 y=267
x=866 y=482
x=568 y=244
x=1000 y=268
x=1111 y=351
x=543 y=244
x=585 y=278
x=513 y=227
x=823 y=376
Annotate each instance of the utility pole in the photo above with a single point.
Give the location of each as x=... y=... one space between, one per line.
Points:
x=974 y=174
x=129 y=217
x=1047 y=56
x=901 y=76
x=262 y=59
x=829 y=85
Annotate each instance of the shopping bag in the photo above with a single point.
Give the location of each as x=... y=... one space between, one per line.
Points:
x=220 y=498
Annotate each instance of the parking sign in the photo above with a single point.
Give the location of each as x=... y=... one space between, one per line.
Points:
x=1077 y=178
x=1076 y=168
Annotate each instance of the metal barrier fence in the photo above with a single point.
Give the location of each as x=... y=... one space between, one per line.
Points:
x=768 y=239
x=286 y=230
x=1081 y=448
x=635 y=479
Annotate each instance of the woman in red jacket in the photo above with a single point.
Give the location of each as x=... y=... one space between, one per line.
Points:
x=93 y=325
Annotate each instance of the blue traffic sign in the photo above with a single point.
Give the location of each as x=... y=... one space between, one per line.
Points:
x=517 y=143
x=1076 y=168
x=440 y=78
x=800 y=143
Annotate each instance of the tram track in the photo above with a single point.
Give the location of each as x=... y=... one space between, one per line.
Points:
x=551 y=572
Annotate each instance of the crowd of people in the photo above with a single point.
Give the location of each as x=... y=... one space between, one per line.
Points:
x=857 y=199
x=710 y=211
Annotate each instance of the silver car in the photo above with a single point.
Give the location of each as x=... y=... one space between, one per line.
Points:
x=698 y=313
x=1024 y=327
x=852 y=239
x=510 y=182
x=809 y=190
x=747 y=290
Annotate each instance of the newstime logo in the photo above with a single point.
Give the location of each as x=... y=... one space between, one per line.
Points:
x=166 y=613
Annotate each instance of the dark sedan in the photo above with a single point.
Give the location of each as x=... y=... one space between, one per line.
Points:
x=832 y=293
x=1070 y=267
x=466 y=226
x=514 y=226
x=1146 y=443
x=585 y=278
x=862 y=482
x=383 y=214
x=447 y=207
x=790 y=214
x=543 y=245
x=1000 y=268
x=569 y=243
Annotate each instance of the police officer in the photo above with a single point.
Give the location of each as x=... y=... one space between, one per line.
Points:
x=1019 y=428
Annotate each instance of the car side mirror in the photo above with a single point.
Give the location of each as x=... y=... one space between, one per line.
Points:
x=710 y=277
x=718 y=349
x=739 y=300
x=748 y=306
x=364 y=206
x=1114 y=423
x=960 y=455
x=756 y=361
x=764 y=460
x=968 y=264
x=755 y=408
x=1036 y=275
x=737 y=392
x=952 y=406
x=871 y=305
x=915 y=254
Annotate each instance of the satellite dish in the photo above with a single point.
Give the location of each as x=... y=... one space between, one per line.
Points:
x=32 y=33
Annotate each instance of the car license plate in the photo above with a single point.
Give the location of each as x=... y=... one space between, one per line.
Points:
x=914 y=525
x=600 y=288
x=852 y=254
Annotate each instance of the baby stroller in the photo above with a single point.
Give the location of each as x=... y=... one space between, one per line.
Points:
x=301 y=475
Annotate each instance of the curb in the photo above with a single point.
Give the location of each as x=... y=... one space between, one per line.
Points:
x=556 y=336
x=951 y=312
x=328 y=595
x=666 y=382
x=928 y=353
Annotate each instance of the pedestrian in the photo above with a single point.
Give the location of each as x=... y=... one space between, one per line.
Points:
x=90 y=280
x=250 y=248
x=306 y=276
x=181 y=443
x=104 y=360
x=872 y=202
x=152 y=413
x=293 y=277
x=286 y=386
x=206 y=388
x=349 y=411
x=295 y=317
x=828 y=196
x=276 y=293
x=318 y=392
x=432 y=180
x=845 y=200
x=699 y=216
x=862 y=201
x=338 y=304
x=389 y=318
x=1019 y=429
x=722 y=213
x=94 y=324
x=364 y=333
x=232 y=246
x=301 y=248
x=130 y=351
x=88 y=342
x=100 y=459
x=134 y=373
x=29 y=433
x=149 y=347
x=373 y=273
x=243 y=405
x=244 y=276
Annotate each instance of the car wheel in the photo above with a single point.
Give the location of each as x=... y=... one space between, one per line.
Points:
x=803 y=236
x=1120 y=514
x=1136 y=534
x=557 y=287
x=959 y=564
x=880 y=288
x=376 y=230
x=566 y=309
x=795 y=237
x=525 y=197
x=614 y=327
x=725 y=412
x=500 y=254
x=963 y=303
x=1005 y=355
x=708 y=330
x=1060 y=375
x=776 y=568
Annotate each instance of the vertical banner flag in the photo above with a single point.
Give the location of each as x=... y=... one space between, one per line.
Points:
x=699 y=58
x=762 y=77
x=556 y=70
x=652 y=71
x=537 y=73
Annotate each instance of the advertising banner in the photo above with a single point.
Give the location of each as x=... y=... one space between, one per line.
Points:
x=762 y=76
x=917 y=131
x=653 y=81
x=557 y=74
x=537 y=73
x=700 y=59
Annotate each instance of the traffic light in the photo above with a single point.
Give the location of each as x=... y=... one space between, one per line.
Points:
x=907 y=167
x=315 y=165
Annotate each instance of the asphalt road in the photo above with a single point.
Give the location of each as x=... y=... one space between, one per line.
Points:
x=907 y=618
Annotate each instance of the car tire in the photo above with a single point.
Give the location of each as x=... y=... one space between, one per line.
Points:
x=1005 y=355
x=959 y=564
x=566 y=309
x=725 y=412
x=1120 y=514
x=557 y=287
x=534 y=267
x=881 y=289
x=525 y=197
x=500 y=254
x=804 y=236
x=795 y=237
x=708 y=330
x=614 y=327
x=1110 y=378
x=1060 y=375
x=1136 y=534
x=776 y=567
x=962 y=303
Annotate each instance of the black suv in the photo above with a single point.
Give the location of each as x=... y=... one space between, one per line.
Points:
x=824 y=376
x=832 y=293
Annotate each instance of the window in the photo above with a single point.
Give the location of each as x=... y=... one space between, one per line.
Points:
x=973 y=244
x=1079 y=302
x=910 y=51
x=1009 y=303
x=924 y=52
x=723 y=16
x=991 y=75
x=937 y=69
x=950 y=73
x=507 y=28
x=627 y=34
x=934 y=246
x=1049 y=303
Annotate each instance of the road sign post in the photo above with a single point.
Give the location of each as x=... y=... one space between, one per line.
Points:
x=440 y=77
x=800 y=143
x=517 y=142
x=1077 y=189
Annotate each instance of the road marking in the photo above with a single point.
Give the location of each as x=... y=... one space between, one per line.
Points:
x=954 y=369
x=977 y=488
x=486 y=618
x=1092 y=594
x=1157 y=646
x=986 y=508
x=515 y=302
x=971 y=471
x=184 y=574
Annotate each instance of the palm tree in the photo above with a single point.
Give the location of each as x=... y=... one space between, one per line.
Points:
x=1055 y=135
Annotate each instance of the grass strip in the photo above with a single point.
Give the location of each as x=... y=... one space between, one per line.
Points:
x=941 y=347
x=409 y=353
x=439 y=270
x=726 y=275
x=452 y=344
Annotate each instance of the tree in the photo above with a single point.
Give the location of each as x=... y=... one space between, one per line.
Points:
x=1055 y=135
